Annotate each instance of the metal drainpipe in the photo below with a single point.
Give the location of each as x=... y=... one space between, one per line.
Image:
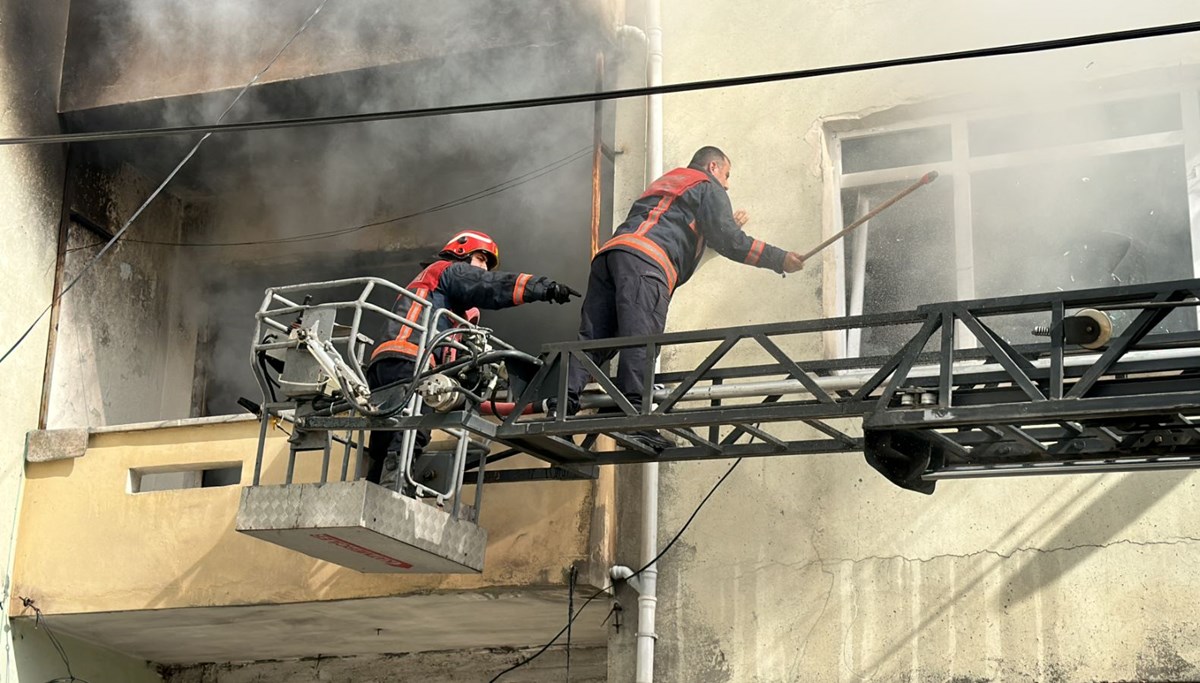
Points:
x=648 y=595
x=646 y=584
x=623 y=31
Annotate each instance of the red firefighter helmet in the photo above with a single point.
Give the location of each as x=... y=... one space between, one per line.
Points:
x=467 y=242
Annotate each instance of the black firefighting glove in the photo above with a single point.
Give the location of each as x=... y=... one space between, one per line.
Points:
x=559 y=293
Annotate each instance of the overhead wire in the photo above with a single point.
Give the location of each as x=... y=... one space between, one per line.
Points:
x=508 y=184
x=602 y=591
x=590 y=97
x=515 y=181
x=161 y=186
x=689 y=86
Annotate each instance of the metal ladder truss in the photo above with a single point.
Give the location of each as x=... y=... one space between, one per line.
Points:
x=1083 y=381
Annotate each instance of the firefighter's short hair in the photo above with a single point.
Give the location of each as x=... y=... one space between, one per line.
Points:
x=705 y=155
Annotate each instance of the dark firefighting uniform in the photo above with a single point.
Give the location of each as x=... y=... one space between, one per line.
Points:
x=652 y=253
x=453 y=285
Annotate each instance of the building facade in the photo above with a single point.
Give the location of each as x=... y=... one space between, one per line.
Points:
x=1065 y=169
x=815 y=568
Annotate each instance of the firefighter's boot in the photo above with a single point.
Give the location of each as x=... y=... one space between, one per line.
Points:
x=391 y=475
x=391 y=471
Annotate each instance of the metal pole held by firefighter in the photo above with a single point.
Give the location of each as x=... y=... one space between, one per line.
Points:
x=924 y=180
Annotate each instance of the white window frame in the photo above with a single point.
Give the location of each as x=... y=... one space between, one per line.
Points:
x=960 y=167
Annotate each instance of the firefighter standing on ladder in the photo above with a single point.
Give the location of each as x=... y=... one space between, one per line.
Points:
x=652 y=253
x=463 y=278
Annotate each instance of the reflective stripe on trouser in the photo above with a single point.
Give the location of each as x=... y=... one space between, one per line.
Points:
x=626 y=297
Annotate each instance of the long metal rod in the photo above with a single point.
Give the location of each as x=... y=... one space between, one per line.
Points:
x=1095 y=466
x=924 y=180
x=262 y=444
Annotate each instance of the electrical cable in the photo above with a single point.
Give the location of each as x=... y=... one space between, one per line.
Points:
x=271 y=382
x=580 y=98
x=39 y=621
x=515 y=181
x=1012 y=49
x=439 y=340
x=593 y=596
x=1003 y=50
x=508 y=184
x=161 y=186
x=413 y=382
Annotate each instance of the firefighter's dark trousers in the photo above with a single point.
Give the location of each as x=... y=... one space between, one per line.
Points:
x=381 y=373
x=626 y=297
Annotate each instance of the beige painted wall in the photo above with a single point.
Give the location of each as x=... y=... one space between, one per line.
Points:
x=815 y=569
x=166 y=549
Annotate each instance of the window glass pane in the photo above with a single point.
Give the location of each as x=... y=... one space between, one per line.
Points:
x=909 y=254
x=1097 y=222
x=892 y=150
x=1075 y=125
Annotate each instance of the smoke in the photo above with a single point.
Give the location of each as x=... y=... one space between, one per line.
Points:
x=274 y=189
x=1042 y=189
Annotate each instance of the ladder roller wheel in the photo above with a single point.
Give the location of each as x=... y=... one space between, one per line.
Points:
x=1103 y=327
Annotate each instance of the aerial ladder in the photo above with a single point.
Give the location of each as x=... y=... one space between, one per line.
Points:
x=1097 y=380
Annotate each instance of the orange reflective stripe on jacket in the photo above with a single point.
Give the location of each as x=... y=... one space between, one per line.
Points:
x=675 y=183
x=401 y=343
x=519 y=288
x=644 y=245
x=422 y=287
x=755 y=252
x=668 y=189
x=406 y=348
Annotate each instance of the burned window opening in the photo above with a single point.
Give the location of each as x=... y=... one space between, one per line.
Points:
x=1083 y=196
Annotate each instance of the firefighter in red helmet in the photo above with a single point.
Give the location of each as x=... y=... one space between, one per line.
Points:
x=463 y=278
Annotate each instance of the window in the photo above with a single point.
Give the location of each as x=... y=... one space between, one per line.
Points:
x=171 y=478
x=1073 y=197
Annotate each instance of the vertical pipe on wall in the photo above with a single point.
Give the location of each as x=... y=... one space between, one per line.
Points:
x=597 y=154
x=648 y=597
x=64 y=225
x=654 y=62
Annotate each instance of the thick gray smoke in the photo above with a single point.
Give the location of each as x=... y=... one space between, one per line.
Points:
x=526 y=175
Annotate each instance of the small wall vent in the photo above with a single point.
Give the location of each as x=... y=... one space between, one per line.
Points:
x=175 y=477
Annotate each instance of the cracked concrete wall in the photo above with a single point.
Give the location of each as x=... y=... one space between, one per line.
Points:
x=126 y=343
x=816 y=569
